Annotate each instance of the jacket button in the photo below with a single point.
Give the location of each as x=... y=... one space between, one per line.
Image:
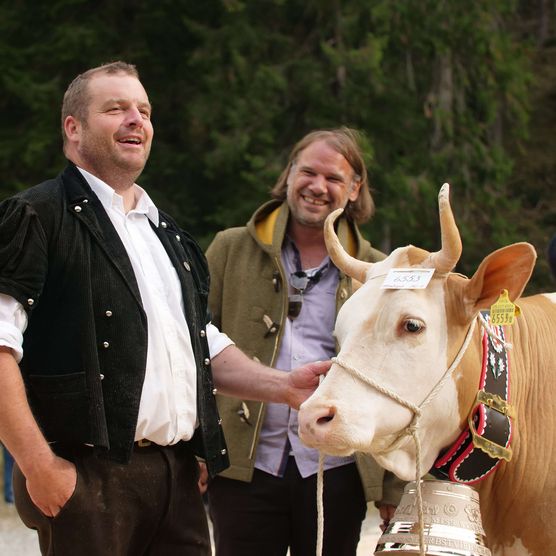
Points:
x=206 y=361
x=223 y=451
x=219 y=421
x=178 y=238
x=186 y=265
x=214 y=391
x=30 y=301
x=343 y=293
x=202 y=333
x=77 y=208
x=106 y=344
x=101 y=376
x=164 y=225
x=108 y=313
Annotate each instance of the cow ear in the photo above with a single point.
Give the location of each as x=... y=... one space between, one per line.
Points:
x=508 y=268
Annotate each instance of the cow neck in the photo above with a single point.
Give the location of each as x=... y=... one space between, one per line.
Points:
x=485 y=442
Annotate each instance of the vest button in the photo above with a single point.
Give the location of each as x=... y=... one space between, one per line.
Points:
x=186 y=265
x=206 y=361
x=30 y=301
x=223 y=451
x=164 y=225
x=106 y=344
x=101 y=376
x=202 y=333
x=178 y=238
x=108 y=313
x=214 y=391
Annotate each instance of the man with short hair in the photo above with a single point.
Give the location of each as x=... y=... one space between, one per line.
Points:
x=108 y=364
x=276 y=293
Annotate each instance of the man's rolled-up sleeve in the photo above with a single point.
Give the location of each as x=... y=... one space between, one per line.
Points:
x=217 y=340
x=23 y=252
x=13 y=322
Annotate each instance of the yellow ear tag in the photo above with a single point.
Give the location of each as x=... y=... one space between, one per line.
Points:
x=503 y=312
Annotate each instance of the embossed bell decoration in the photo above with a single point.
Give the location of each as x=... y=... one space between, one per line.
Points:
x=452 y=523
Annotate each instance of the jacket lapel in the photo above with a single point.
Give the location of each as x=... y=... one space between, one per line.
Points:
x=84 y=205
x=163 y=232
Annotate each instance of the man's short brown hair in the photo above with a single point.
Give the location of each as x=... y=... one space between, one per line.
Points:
x=346 y=142
x=77 y=97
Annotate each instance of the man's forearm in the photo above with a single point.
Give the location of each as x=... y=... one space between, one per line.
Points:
x=19 y=431
x=50 y=480
x=237 y=375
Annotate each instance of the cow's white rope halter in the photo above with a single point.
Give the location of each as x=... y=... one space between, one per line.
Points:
x=413 y=427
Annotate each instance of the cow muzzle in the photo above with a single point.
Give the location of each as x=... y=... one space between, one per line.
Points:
x=322 y=426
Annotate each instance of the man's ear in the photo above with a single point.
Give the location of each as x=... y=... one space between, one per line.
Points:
x=290 y=174
x=355 y=189
x=72 y=128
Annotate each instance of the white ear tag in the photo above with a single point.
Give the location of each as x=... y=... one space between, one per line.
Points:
x=407 y=279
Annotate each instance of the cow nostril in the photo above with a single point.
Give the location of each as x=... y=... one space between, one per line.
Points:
x=327 y=418
x=324 y=420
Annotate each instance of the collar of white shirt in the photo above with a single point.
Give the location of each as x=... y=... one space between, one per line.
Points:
x=110 y=199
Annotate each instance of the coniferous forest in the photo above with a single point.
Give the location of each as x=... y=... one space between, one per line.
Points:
x=442 y=90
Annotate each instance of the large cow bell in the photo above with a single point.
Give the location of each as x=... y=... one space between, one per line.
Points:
x=452 y=522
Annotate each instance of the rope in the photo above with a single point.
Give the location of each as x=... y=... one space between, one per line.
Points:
x=364 y=378
x=320 y=505
x=413 y=428
x=418 y=482
x=492 y=334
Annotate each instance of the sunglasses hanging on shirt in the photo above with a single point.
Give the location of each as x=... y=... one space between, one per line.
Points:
x=302 y=282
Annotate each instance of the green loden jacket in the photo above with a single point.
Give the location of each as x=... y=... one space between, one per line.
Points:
x=249 y=302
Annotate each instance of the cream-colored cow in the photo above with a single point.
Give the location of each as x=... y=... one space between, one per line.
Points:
x=396 y=346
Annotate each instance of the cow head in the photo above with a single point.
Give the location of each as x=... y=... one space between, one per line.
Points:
x=404 y=341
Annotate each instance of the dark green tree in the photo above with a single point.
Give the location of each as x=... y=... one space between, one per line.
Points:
x=441 y=91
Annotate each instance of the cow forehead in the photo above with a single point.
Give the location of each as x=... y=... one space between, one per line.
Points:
x=371 y=332
x=370 y=303
x=402 y=257
x=381 y=268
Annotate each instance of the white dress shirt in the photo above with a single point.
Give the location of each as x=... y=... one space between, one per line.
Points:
x=168 y=408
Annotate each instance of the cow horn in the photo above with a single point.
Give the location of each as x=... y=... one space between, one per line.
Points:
x=346 y=263
x=446 y=259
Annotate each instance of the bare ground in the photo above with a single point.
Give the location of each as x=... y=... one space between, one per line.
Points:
x=17 y=540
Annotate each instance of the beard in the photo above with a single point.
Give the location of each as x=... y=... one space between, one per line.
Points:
x=307 y=219
x=109 y=164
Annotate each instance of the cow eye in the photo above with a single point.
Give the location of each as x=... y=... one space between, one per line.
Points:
x=413 y=326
